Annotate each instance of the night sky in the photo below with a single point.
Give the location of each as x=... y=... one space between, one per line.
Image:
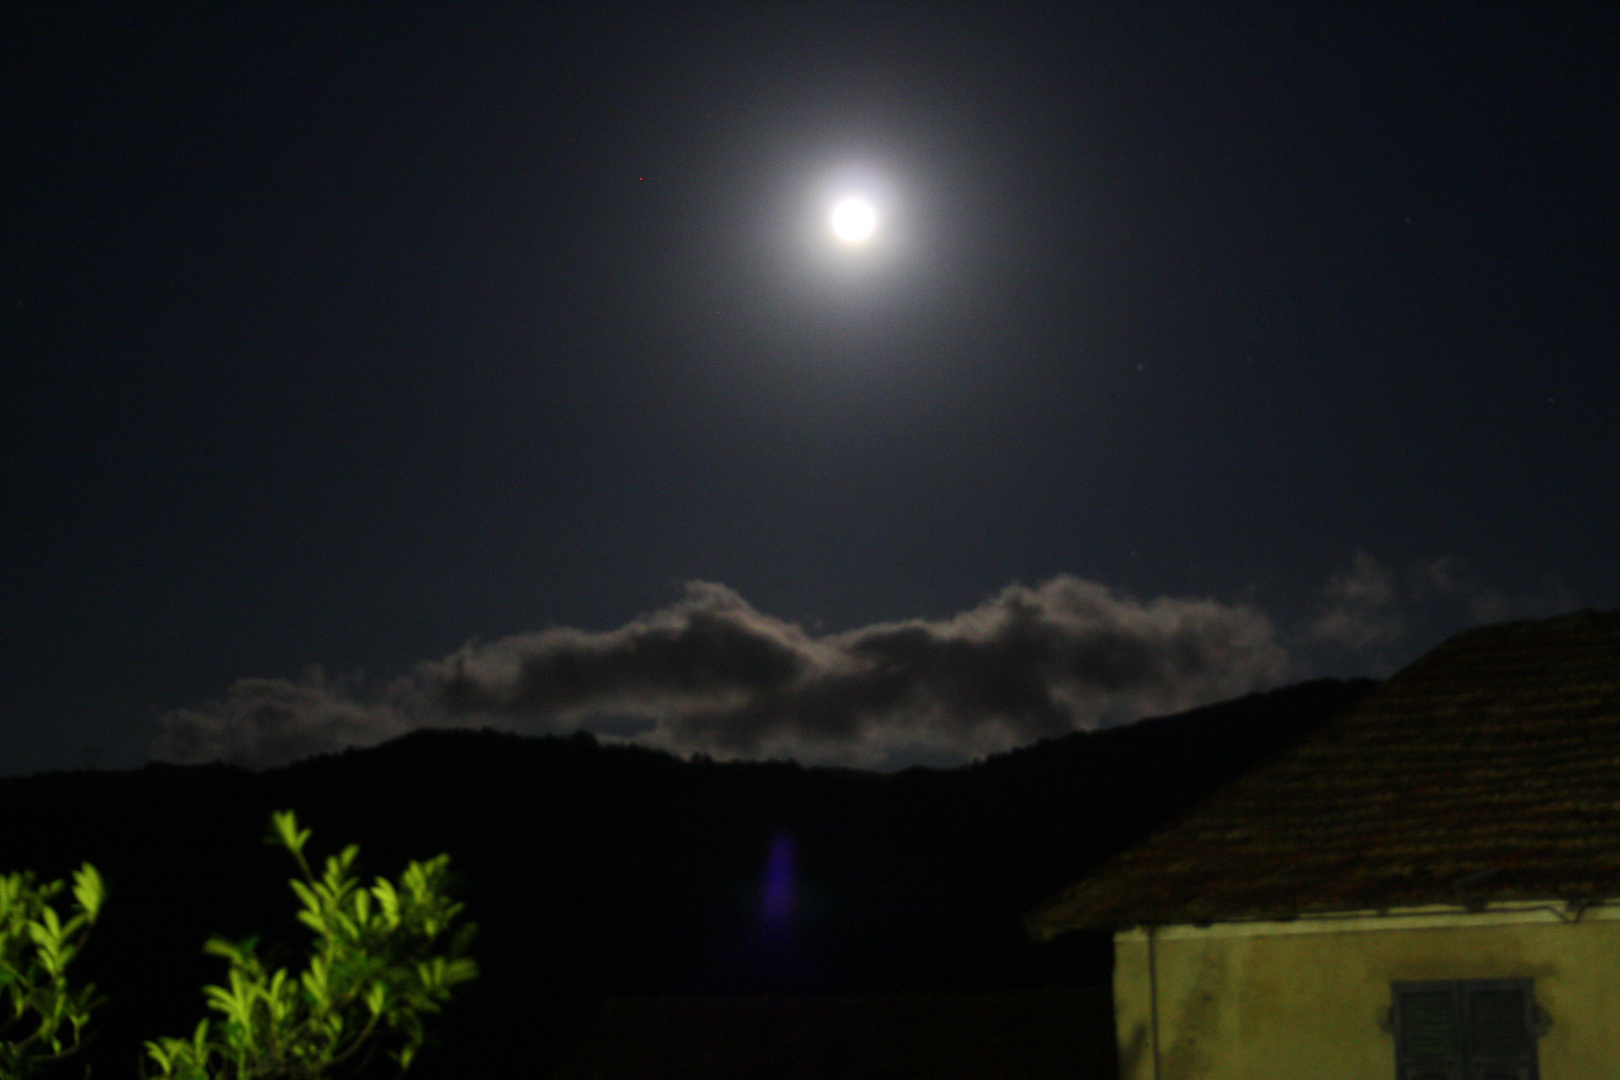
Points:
x=371 y=366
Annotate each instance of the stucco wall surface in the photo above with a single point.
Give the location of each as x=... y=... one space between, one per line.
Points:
x=1305 y=999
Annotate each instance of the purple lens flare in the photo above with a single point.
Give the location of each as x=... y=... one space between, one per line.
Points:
x=780 y=888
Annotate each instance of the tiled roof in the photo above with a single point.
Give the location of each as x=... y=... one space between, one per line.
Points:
x=1488 y=770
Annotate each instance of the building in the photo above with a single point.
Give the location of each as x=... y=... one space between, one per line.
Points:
x=1427 y=887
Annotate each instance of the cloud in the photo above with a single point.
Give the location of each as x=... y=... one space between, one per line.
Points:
x=1447 y=578
x=1378 y=616
x=1359 y=607
x=270 y=721
x=711 y=674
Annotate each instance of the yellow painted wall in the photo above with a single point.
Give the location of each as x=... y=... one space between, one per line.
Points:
x=1302 y=1000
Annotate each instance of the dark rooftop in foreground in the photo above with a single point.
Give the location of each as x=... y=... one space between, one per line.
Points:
x=1489 y=770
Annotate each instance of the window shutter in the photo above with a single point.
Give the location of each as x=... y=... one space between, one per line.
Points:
x=1501 y=1031
x=1428 y=1042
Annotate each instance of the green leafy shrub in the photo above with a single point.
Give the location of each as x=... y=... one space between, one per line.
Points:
x=375 y=969
x=36 y=947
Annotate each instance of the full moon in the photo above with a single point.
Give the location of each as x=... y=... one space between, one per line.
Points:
x=853 y=220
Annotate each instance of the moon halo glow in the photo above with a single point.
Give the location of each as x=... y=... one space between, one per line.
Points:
x=853 y=220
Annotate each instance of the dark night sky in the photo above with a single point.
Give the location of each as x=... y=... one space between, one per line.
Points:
x=1250 y=343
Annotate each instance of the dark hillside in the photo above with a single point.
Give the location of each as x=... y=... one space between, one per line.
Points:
x=596 y=870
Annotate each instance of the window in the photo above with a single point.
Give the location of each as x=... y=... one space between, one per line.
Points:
x=1480 y=1029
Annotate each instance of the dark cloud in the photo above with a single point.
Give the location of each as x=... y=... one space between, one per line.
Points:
x=263 y=722
x=1360 y=609
x=711 y=674
x=1025 y=664
x=1448 y=580
x=1382 y=618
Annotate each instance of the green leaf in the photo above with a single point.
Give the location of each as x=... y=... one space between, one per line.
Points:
x=284 y=829
x=305 y=895
x=387 y=901
x=362 y=909
x=89 y=890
